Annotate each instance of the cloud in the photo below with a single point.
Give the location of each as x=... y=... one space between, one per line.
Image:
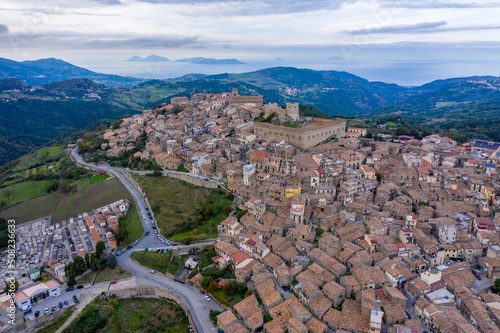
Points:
x=260 y=7
x=3 y=29
x=142 y=43
x=436 y=4
x=397 y=29
x=108 y=2
x=61 y=40
x=424 y=27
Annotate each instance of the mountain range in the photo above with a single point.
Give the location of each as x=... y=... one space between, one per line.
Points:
x=151 y=58
x=43 y=71
x=210 y=61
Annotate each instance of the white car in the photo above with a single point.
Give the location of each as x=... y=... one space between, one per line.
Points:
x=88 y=286
x=26 y=307
x=152 y=271
x=163 y=241
x=47 y=310
x=207 y=298
x=56 y=295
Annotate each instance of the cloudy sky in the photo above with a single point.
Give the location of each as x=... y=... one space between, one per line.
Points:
x=399 y=31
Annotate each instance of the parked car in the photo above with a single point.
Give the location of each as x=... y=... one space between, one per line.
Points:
x=136 y=242
x=47 y=310
x=56 y=295
x=207 y=298
x=117 y=254
x=156 y=231
x=75 y=299
x=26 y=307
x=54 y=308
x=147 y=232
x=60 y=304
x=112 y=282
x=79 y=286
x=407 y=314
x=27 y=312
x=70 y=289
x=66 y=302
x=146 y=250
x=202 y=291
x=129 y=247
x=88 y=286
x=152 y=271
x=37 y=314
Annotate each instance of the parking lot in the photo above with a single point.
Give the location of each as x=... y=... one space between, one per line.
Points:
x=54 y=301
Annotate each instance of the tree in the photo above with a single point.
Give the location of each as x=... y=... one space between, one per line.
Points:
x=213 y=286
x=379 y=177
x=206 y=281
x=94 y=262
x=157 y=173
x=208 y=212
x=229 y=288
x=99 y=248
x=227 y=210
x=496 y=287
x=79 y=265
x=71 y=281
x=240 y=213
x=63 y=187
x=113 y=303
x=52 y=186
x=111 y=262
x=87 y=260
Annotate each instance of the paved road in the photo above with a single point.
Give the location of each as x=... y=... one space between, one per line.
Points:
x=199 y=307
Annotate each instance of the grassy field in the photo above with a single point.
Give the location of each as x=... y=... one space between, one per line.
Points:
x=106 y=274
x=131 y=315
x=157 y=261
x=56 y=324
x=39 y=156
x=179 y=208
x=161 y=262
x=117 y=273
x=132 y=225
x=63 y=206
x=23 y=191
x=230 y=299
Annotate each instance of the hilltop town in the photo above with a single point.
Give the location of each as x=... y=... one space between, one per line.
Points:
x=331 y=230
x=336 y=231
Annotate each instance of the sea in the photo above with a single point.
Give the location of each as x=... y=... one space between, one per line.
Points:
x=401 y=73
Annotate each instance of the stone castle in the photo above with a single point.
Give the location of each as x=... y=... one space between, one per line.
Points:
x=291 y=113
x=316 y=131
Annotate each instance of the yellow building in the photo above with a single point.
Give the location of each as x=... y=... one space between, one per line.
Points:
x=355 y=132
x=292 y=191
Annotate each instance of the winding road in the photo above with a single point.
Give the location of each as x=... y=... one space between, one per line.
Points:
x=198 y=306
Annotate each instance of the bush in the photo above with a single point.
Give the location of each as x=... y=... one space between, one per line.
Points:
x=111 y=262
x=213 y=315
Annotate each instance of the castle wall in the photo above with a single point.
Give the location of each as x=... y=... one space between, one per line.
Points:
x=302 y=138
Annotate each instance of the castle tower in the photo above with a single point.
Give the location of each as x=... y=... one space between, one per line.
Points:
x=272 y=108
x=292 y=111
x=235 y=92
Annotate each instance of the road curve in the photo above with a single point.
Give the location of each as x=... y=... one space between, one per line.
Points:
x=198 y=306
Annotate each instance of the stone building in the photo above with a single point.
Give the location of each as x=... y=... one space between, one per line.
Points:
x=317 y=131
